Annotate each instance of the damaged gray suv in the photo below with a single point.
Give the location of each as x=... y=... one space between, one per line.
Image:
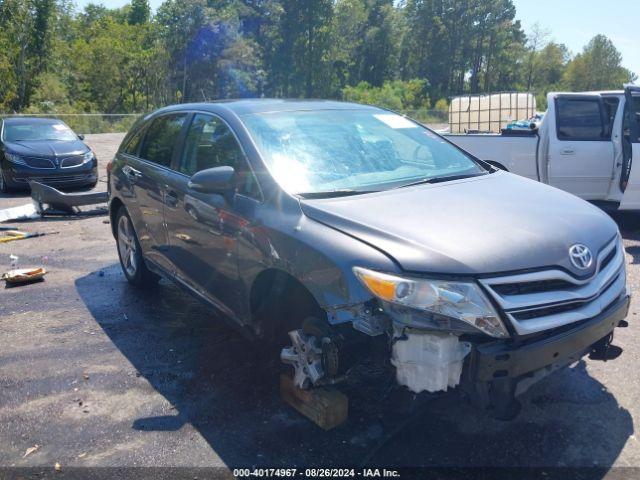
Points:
x=329 y=226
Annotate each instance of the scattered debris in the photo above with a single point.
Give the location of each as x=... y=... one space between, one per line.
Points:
x=57 y=467
x=85 y=375
x=14 y=261
x=47 y=200
x=24 y=275
x=23 y=212
x=107 y=222
x=30 y=450
x=10 y=235
x=82 y=455
x=64 y=202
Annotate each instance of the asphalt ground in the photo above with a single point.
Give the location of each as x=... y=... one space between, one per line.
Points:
x=98 y=374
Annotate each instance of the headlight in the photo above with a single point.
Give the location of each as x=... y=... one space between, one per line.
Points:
x=87 y=157
x=13 y=158
x=459 y=300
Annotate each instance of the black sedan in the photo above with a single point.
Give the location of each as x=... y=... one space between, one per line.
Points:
x=45 y=150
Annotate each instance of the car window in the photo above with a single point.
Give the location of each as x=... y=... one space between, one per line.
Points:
x=132 y=146
x=210 y=143
x=580 y=119
x=161 y=138
x=628 y=115
x=37 y=131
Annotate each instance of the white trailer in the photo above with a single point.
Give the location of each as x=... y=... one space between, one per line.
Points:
x=585 y=145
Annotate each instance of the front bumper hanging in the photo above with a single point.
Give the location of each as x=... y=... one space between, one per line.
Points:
x=497 y=371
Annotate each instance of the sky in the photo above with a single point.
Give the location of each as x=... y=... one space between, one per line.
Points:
x=572 y=22
x=575 y=22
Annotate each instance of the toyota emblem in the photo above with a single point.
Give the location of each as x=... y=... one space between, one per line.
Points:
x=580 y=256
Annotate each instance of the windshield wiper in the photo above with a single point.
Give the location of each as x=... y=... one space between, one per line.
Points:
x=441 y=179
x=334 y=193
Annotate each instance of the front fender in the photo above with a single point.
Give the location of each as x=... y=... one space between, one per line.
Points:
x=319 y=257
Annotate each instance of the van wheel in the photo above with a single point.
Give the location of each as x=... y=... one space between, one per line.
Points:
x=130 y=253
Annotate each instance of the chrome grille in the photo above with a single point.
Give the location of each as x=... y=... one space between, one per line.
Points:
x=65 y=178
x=39 y=162
x=538 y=301
x=73 y=161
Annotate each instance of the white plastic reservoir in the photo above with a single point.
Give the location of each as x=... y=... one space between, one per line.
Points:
x=489 y=113
x=428 y=361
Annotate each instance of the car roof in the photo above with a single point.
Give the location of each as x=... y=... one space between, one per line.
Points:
x=267 y=105
x=30 y=120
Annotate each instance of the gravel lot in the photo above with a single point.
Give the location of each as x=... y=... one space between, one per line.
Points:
x=98 y=374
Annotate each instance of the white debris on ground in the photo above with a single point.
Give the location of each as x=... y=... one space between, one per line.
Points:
x=28 y=211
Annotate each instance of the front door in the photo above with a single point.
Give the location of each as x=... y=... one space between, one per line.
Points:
x=581 y=152
x=630 y=180
x=204 y=228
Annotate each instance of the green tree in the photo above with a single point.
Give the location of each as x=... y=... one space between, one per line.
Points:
x=300 y=66
x=462 y=45
x=9 y=83
x=50 y=95
x=397 y=94
x=347 y=39
x=27 y=26
x=140 y=12
x=598 y=67
x=366 y=37
x=209 y=57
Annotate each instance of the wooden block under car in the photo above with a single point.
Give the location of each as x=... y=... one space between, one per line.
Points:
x=326 y=408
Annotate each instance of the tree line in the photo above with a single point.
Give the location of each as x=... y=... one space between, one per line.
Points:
x=410 y=54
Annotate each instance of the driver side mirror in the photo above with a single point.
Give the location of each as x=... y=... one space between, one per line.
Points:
x=81 y=136
x=220 y=180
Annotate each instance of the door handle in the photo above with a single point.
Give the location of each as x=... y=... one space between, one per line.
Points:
x=131 y=173
x=171 y=198
x=567 y=151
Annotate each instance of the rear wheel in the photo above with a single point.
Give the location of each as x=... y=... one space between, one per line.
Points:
x=130 y=253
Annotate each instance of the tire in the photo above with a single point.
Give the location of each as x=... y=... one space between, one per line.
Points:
x=4 y=188
x=130 y=253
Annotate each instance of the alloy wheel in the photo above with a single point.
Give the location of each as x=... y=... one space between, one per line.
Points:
x=127 y=246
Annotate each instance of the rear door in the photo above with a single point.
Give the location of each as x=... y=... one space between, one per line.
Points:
x=630 y=179
x=581 y=152
x=148 y=175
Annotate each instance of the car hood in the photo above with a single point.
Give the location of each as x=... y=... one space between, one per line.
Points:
x=52 y=148
x=490 y=224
